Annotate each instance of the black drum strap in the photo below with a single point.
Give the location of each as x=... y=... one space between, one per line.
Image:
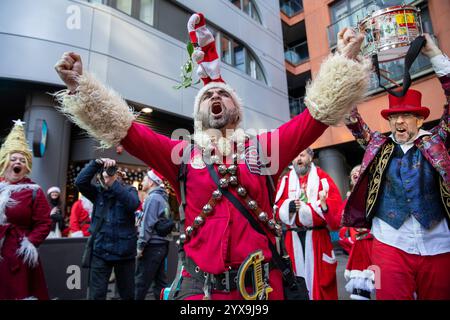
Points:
x=411 y=56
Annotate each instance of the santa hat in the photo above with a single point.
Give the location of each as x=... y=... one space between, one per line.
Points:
x=155 y=176
x=15 y=142
x=53 y=189
x=205 y=55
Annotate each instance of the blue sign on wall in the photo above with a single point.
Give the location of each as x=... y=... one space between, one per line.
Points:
x=40 y=138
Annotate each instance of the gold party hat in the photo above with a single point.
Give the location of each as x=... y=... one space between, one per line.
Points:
x=15 y=142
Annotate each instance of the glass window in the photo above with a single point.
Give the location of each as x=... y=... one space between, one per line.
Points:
x=248 y=7
x=124 y=6
x=239 y=56
x=225 y=48
x=254 y=69
x=237 y=3
x=146 y=11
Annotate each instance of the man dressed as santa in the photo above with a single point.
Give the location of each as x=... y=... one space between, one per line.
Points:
x=309 y=204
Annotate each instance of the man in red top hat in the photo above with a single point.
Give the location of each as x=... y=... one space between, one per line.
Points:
x=403 y=194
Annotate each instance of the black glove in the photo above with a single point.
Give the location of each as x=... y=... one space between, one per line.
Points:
x=292 y=207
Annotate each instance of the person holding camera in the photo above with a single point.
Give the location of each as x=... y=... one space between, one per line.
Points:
x=112 y=244
x=153 y=245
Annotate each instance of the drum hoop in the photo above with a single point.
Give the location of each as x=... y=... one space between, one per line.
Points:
x=387 y=10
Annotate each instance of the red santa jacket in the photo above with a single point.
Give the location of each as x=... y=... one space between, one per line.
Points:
x=24 y=224
x=226 y=238
x=79 y=218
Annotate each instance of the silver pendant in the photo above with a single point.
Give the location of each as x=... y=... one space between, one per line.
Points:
x=198 y=220
x=207 y=208
x=222 y=169
x=241 y=191
x=263 y=216
x=232 y=169
x=217 y=194
x=252 y=204
x=223 y=183
x=189 y=231
x=234 y=181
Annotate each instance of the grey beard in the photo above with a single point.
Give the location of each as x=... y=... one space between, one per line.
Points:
x=302 y=170
x=208 y=121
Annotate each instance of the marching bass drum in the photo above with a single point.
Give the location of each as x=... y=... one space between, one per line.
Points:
x=389 y=32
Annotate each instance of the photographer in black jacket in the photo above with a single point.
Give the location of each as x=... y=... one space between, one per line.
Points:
x=114 y=240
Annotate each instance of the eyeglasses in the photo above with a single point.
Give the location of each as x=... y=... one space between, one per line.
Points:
x=395 y=116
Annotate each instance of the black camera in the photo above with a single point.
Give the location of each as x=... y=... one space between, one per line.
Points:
x=110 y=171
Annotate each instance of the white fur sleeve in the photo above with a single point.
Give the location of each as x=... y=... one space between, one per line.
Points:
x=97 y=109
x=28 y=253
x=340 y=84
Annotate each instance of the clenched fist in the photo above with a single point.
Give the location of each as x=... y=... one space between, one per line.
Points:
x=349 y=43
x=69 y=68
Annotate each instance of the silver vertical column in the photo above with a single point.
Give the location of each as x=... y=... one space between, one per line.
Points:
x=51 y=169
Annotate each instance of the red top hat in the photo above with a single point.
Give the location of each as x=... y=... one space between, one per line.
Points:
x=411 y=102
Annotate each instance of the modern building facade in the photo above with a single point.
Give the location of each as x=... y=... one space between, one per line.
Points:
x=309 y=30
x=136 y=47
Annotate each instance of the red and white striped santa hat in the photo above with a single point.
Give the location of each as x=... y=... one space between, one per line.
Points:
x=205 y=55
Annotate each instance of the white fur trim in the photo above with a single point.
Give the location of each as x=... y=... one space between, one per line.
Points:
x=284 y=214
x=6 y=190
x=305 y=215
x=298 y=255
x=358 y=279
x=53 y=189
x=309 y=263
x=234 y=96
x=154 y=177
x=87 y=205
x=97 y=109
x=340 y=84
x=281 y=188
x=77 y=234
x=28 y=253
x=330 y=260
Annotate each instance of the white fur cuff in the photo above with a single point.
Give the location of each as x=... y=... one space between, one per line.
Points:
x=285 y=217
x=97 y=109
x=340 y=84
x=28 y=253
x=305 y=215
x=357 y=279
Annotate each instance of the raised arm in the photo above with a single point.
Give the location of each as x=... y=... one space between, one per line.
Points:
x=441 y=66
x=107 y=118
x=359 y=129
x=341 y=82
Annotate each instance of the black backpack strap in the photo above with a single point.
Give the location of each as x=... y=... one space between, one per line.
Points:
x=182 y=175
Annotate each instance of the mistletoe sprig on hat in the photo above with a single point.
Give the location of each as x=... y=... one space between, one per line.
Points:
x=187 y=70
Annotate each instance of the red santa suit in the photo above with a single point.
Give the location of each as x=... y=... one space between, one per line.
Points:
x=80 y=218
x=360 y=277
x=312 y=257
x=24 y=224
x=225 y=238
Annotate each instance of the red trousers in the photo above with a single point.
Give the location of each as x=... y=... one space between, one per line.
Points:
x=406 y=276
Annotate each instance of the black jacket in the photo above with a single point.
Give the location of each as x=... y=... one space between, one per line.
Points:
x=116 y=239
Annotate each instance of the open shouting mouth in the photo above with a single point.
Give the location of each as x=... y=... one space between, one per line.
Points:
x=216 y=109
x=17 y=169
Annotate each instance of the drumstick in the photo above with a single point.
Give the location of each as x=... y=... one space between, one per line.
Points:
x=386 y=78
